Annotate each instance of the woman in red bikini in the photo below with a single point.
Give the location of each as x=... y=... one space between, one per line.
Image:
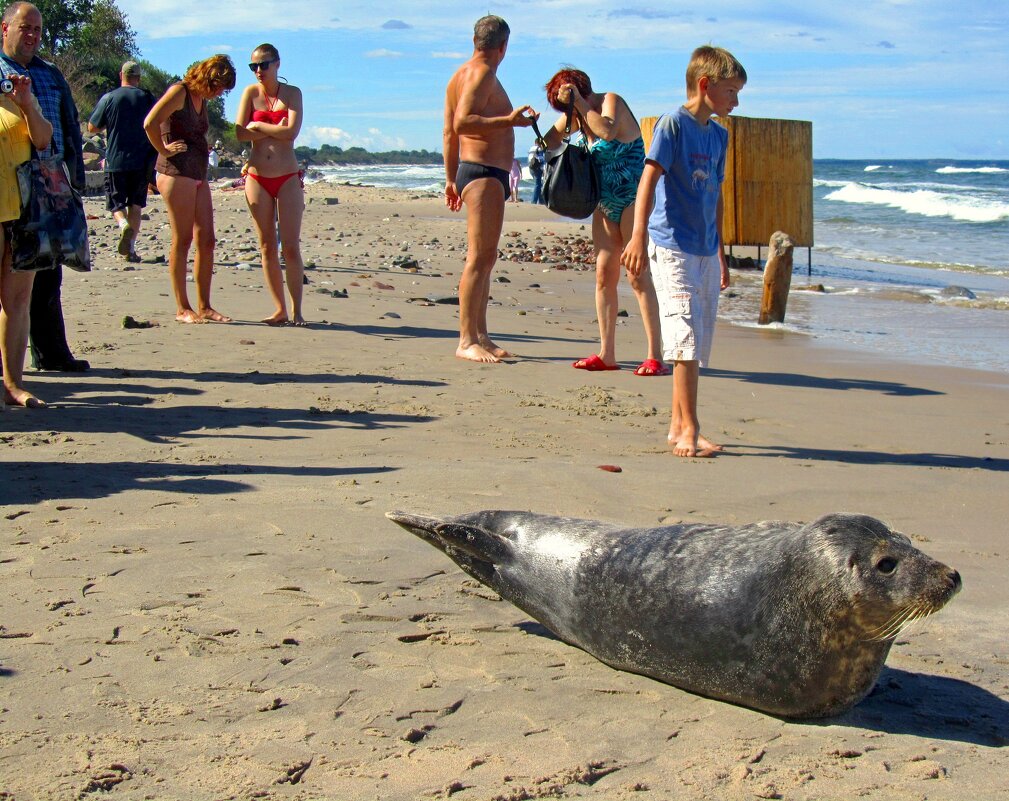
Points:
x=269 y=116
x=177 y=127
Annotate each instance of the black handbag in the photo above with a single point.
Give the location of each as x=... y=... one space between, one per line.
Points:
x=571 y=185
x=52 y=228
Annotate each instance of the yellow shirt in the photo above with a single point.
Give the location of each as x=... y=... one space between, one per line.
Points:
x=15 y=149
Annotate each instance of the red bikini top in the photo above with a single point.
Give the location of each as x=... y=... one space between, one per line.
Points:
x=271 y=117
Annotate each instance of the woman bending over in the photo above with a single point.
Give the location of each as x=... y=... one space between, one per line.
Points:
x=177 y=127
x=612 y=133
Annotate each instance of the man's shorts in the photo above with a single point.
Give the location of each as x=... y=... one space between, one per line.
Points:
x=687 y=288
x=126 y=188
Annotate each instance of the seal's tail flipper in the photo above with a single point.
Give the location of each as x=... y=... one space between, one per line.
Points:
x=451 y=537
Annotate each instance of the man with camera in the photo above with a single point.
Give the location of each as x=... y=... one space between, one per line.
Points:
x=22 y=35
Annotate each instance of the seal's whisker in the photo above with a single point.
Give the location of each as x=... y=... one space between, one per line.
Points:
x=893 y=626
x=902 y=621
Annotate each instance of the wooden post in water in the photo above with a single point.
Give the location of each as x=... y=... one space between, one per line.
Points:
x=777 y=279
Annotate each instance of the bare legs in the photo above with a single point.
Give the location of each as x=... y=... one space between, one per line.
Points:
x=288 y=209
x=684 y=429
x=608 y=238
x=191 y=216
x=15 y=297
x=484 y=199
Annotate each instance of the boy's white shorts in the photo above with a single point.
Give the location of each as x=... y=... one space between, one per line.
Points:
x=687 y=287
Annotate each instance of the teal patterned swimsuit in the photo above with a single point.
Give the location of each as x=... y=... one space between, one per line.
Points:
x=620 y=166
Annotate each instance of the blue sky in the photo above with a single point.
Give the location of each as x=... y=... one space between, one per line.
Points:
x=883 y=79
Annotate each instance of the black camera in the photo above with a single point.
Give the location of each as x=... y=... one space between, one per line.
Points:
x=6 y=86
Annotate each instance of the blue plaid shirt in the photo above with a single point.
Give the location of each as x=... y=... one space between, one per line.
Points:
x=57 y=104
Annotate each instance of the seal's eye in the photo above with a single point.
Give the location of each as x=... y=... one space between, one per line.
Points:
x=886 y=565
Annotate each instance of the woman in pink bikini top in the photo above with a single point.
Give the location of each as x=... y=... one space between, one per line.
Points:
x=269 y=116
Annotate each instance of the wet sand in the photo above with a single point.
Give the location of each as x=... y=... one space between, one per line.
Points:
x=204 y=599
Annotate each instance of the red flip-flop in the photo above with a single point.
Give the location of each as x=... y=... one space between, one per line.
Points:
x=593 y=364
x=652 y=367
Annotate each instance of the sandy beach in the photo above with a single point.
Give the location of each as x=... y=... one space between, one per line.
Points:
x=204 y=599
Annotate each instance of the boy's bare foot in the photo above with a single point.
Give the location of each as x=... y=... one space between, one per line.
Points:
x=492 y=348
x=277 y=318
x=22 y=397
x=299 y=321
x=214 y=316
x=476 y=353
x=188 y=316
x=687 y=445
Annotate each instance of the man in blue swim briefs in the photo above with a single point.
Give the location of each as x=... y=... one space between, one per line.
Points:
x=479 y=140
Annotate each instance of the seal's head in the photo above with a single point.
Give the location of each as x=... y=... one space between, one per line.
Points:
x=889 y=582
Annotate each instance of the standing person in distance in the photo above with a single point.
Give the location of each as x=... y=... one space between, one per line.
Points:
x=129 y=157
x=270 y=117
x=535 y=164
x=177 y=127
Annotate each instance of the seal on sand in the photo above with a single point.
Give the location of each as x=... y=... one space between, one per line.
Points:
x=794 y=620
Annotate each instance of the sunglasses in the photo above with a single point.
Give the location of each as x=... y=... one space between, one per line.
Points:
x=262 y=65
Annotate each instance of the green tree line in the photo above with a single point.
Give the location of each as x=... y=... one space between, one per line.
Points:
x=330 y=154
x=90 y=39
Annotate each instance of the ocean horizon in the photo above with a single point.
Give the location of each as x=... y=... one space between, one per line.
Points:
x=913 y=255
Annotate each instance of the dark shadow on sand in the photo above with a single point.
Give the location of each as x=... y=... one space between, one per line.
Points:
x=33 y=482
x=818 y=382
x=416 y=332
x=871 y=457
x=165 y=424
x=934 y=707
x=902 y=702
x=537 y=630
x=193 y=379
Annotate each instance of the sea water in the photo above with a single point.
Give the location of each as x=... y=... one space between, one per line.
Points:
x=914 y=256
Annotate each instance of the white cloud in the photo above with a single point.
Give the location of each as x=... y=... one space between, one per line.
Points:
x=383 y=53
x=452 y=54
x=374 y=139
x=317 y=135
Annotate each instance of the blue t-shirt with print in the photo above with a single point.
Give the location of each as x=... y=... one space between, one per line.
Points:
x=686 y=197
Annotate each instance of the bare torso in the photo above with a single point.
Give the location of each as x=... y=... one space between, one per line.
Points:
x=482 y=94
x=272 y=157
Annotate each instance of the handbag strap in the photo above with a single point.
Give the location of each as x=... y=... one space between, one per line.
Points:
x=539 y=137
x=570 y=113
x=567 y=124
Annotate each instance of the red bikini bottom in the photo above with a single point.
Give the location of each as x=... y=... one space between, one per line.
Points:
x=273 y=185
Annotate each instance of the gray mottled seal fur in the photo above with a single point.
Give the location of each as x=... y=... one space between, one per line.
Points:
x=795 y=620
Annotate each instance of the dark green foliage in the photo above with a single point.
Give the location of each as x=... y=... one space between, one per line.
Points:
x=88 y=40
x=155 y=80
x=60 y=20
x=331 y=154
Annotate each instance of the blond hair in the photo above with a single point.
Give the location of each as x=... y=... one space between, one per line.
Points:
x=715 y=64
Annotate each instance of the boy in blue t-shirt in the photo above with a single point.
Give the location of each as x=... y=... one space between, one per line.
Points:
x=677 y=231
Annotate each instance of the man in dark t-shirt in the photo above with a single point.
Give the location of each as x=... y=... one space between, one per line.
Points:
x=129 y=157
